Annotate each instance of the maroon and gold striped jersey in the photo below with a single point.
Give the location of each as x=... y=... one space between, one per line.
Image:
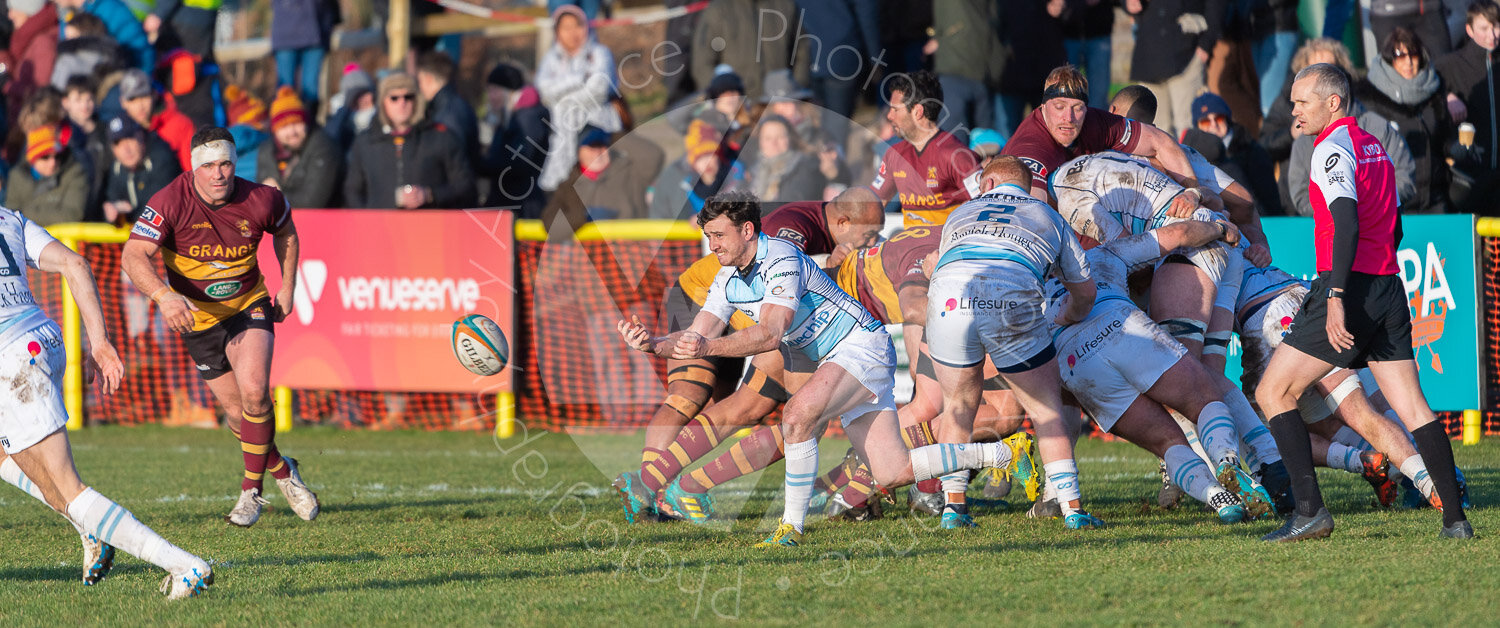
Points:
x=876 y=275
x=210 y=254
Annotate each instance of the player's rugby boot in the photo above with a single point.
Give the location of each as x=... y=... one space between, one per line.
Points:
x=1169 y=494
x=247 y=510
x=1044 y=509
x=1083 y=521
x=1300 y=528
x=784 y=536
x=635 y=498
x=928 y=503
x=303 y=501
x=1234 y=478
x=956 y=521
x=1230 y=508
x=693 y=507
x=996 y=484
x=188 y=583
x=1278 y=483
x=98 y=559
x=1377 y=471
x=1023 y=468
x=1459 y=530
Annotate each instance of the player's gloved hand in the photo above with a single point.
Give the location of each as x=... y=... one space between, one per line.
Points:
x=106 y=363
x=1259 y=255
x=635 y=334
x=1338 y=335
x=1184 y=204
x=177 y=311
x=690 y=346
x=282 y=306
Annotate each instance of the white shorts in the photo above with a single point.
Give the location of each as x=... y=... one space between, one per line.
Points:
x=1261 y=333
x=1224 y=266
x=970 y=316
x=31 y=400
x=1113 y=358
x=871 y=359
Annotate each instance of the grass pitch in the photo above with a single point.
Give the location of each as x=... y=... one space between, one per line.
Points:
x=453 y=528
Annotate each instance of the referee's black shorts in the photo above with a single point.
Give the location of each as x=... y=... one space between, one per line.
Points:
x=1376 y=314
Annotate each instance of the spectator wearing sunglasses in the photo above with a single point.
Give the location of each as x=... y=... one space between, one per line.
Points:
x=1403 y=86
x=406 y=161
x=1227 y=145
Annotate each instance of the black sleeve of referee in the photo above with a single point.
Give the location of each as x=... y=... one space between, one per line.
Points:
x=1345 y=241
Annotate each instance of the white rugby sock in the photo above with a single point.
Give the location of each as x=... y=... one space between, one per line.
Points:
x=801 y=471
x=1190 y=473
x=1190 y=432
x=1216 y=432
x=1416 y=469
x=111 y=523
x=954 y=486
x=12 y=474
x=1259 y=447
x=1347 y=436
x=1062 y=475
x=1341 y=456
x=941 y=459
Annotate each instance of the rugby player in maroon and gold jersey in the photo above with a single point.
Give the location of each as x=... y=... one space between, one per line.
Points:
x=1065 y=127
x=929 y=170
x=207 y=226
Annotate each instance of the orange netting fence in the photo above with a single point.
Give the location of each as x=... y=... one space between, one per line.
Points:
x=571 y=371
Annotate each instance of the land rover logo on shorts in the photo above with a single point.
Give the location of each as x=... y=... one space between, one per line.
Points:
x=222 y=289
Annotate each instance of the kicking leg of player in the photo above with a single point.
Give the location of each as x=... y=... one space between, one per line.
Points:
x=98 y=557
x=1398 y=380
x=1147 y=425
x=49 y=463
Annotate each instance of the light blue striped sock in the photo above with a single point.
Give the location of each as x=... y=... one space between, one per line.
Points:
x=934 y=461
x=111 y=523
x=1216 y=432
x=1190 y=473
x=1062 y=475
x=801 y=471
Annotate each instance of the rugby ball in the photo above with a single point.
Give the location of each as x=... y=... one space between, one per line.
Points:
x=479 y=345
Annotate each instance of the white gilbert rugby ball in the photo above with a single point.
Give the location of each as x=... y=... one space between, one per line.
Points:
x=479 y=345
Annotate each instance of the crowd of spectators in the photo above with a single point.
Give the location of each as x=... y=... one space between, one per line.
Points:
x=102 y=98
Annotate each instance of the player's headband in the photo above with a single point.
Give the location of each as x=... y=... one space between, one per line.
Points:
x=213 y=152
x=1059 y=90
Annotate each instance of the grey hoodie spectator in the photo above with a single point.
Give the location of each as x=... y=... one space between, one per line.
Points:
x=1372 y=123
x=576 y=79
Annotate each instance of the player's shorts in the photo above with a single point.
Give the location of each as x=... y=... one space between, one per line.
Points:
x=1376 y=314
x=1113 y=358
x=973 y=314
x=31 y=370
x=1260 y=333
x=871 y=359
x=206 y=346
x=1224 y=266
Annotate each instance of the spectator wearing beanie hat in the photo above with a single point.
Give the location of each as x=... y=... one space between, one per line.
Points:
x=353 y=107
x=611 y=181
x=576 y=79
x=300 y=160
x=245 y=119
x=518 y=147
x=142 y=165
x=33 y=48
x=139 y=99
x=53 y=189
x=1227 y=145
x=706 y=168
x=404 y=161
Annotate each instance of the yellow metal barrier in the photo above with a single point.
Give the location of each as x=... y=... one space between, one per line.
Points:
x=70 y=234
x=1488 y=227
x=534 y=231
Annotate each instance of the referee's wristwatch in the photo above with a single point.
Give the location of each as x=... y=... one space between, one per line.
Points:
x=1335 y=293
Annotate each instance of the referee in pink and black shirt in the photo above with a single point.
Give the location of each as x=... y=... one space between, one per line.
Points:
x=1356 y=314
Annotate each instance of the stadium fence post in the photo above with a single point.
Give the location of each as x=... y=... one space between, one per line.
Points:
x=73 y=345
x=283 y=409
x=505 y=414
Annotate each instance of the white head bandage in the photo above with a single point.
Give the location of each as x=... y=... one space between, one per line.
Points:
x=213 y=152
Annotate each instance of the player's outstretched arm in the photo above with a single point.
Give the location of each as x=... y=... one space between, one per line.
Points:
x=1194 y=233
x=1157 y=144
x=753 y=340
x=57 y=258
x=176 y=309
x=288 y=250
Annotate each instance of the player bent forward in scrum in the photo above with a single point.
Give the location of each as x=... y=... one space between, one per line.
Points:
x=794 y=302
